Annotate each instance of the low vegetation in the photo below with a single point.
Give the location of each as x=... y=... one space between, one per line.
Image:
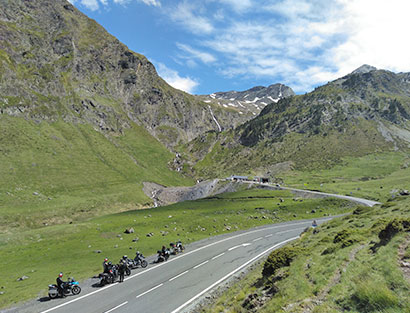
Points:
x=77 y=248
x=353 y=263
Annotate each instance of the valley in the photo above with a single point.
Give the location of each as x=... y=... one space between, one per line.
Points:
x=94 y=143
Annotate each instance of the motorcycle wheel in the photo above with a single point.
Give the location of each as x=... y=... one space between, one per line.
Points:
x=144 y=263
x=52 y=295
x=76 y=290
x=127 y=272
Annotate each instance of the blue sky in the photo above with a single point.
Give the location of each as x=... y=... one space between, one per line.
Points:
x=205 y=46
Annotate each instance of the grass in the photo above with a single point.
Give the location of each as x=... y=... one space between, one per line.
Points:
x=70 y=247
x=362 y=277
x=373 y=176
x=58 y=172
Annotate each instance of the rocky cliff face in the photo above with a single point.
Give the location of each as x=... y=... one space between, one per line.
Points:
x=250 y=102
x=55 y=63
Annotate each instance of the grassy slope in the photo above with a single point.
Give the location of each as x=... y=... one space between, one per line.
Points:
x=70 y=248
x=373 y=176
x=75 y=171
x=352 y=278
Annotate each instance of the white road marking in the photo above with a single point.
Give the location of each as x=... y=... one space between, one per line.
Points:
x=217 y=256
x=257 y=239
x=246 y=244
x=180 y=256
x=270 y=235
x=152 y=289
x=201 y=264
x=118 y=306
x=233 y=248
x=230 y=274
x=175 y=277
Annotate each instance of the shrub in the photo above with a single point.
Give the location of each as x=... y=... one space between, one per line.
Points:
x=395 y=226
x=279 y=258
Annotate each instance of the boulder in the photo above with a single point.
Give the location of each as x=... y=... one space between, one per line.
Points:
x=129 y=231
x=135 y=239
x=23 y=278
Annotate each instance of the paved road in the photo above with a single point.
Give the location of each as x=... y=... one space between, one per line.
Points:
x=324 y=194
x=175 y=285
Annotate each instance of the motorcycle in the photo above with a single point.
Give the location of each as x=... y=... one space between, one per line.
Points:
x=109 y=277
x=139 y=260
x=162 y=256
x=71 y=286
x=179 y=246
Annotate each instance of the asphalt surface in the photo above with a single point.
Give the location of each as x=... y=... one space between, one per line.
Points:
x=365 y=202
x=177 y=284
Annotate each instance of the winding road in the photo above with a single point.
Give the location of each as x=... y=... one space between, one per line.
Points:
x=178 y=284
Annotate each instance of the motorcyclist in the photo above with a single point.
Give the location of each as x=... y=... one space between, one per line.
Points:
x=123 y=260
x=106 y=267
x=163 y=250
x=138 y=255
x=314 y=224
x=179 y=245
x=61 y=284
x=121 y=269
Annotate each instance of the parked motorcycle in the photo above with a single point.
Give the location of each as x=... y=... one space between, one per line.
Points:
x=163 y=255
x=71 y=286
x=110 y=277
x=179 y=246
x=139 y=260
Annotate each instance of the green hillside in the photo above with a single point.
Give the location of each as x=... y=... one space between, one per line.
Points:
x=351 y=264
x=58 y=172
x=72 y=247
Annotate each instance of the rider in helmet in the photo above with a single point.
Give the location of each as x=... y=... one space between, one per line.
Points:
x=105 y=265
x=60 y=284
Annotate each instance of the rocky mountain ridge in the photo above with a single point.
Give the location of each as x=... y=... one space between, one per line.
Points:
x=249 y=102
x=360 y=113
x=56 y=63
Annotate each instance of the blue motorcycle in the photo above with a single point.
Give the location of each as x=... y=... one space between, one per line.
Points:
x=71 y=286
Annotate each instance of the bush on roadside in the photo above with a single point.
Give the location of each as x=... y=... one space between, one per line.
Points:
x=280 y=258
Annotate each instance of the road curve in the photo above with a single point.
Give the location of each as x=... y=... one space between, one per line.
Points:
x=365 y=202
x=174 y=286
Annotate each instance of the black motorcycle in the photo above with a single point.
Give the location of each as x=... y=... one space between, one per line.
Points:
x=163 y=255
x=109 y=277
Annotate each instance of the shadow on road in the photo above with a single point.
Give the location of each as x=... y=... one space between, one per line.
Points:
x=44 y=299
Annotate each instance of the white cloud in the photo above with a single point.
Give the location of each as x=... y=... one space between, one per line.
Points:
x=238 y=5
x=188 y=14
x=205 y=57
x=155 y=3
x=172 y=77
x=94 y=5
x=377 y=35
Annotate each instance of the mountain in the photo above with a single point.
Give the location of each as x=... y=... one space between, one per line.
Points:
x=56 y=63
x=363 y=112
x=249 y=102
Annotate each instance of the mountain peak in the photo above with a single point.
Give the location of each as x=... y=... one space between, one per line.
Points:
x=365 y=68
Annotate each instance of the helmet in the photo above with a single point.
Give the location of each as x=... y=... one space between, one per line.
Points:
x=138 y=252
x=60 y=275
x=124 y=257
x=105 y=260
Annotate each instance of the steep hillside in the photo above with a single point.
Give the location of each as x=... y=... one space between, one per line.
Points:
x=364 y=112
x=357 y=263
x=249 y=102
x=57 y=64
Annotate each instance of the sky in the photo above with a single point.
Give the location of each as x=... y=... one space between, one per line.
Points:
x=206 y=46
